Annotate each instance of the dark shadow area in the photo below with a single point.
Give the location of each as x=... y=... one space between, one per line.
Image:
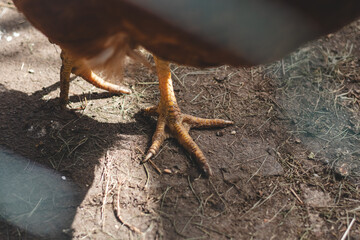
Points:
x=77 y=97
x=41 y=133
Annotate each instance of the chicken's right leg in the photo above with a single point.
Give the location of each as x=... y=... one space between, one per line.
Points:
x=70 y=65
x=173 y=123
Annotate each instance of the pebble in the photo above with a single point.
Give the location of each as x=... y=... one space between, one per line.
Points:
x=220 y=133
x=311 y=156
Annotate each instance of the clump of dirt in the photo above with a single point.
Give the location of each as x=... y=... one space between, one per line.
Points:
x=287 y=168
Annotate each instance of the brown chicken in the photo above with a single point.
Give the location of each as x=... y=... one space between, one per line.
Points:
x=96 y=33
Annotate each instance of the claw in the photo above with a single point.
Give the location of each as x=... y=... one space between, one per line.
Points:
x=148 y=156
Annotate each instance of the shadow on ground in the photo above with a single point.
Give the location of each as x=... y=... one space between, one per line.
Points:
x=39 y=130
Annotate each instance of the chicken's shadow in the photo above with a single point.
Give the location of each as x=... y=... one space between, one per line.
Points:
x=45 y=137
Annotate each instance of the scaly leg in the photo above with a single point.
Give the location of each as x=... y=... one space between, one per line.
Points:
x=70 y=65
x=172 y=123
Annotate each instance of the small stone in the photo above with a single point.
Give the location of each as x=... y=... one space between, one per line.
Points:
x=233 y=132
x=167 y=171
x=343 y=170
x=31 y=71
x=63 y=178
x=220 y=133
x=311 y=156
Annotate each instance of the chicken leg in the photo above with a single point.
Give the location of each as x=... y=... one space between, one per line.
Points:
x=77 y=67
x=173 y=123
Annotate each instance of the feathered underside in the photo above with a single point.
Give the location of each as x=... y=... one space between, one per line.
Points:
x=197 y=33
x=111 y=60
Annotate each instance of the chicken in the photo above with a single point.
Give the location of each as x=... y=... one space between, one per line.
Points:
x=94 y=33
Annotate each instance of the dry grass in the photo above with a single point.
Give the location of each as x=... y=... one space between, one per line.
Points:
x=318 y=88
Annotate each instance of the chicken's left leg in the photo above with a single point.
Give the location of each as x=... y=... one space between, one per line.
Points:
x=173 y=123
x=77 y=67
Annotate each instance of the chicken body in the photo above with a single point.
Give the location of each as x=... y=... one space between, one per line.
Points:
x=197 y=33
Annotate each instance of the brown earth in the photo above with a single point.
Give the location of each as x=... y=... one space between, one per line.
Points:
x=287 y=169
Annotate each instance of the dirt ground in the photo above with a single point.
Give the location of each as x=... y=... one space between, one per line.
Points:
x=287 y=169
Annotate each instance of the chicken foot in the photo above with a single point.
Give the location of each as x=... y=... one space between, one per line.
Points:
x=77 y=67
x=173 y=123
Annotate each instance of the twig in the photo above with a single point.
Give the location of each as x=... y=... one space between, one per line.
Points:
x=257 y=171
x=259 y=203
x=147 y=83
x=254 y=131
x=35 y=208
x=348 y=229
x=154 y=166
x=297 y=197
x=147 y=175
x=187 y=223
x=107 y=175
x=283 y=67
x=197 y=96
x=220 y=197
x=178 y=79
x=145 y=168
x=172 y=221
x=163 y=196
x=277 y=213
x=355 y=209
x=118 y=216
x=193 y=191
